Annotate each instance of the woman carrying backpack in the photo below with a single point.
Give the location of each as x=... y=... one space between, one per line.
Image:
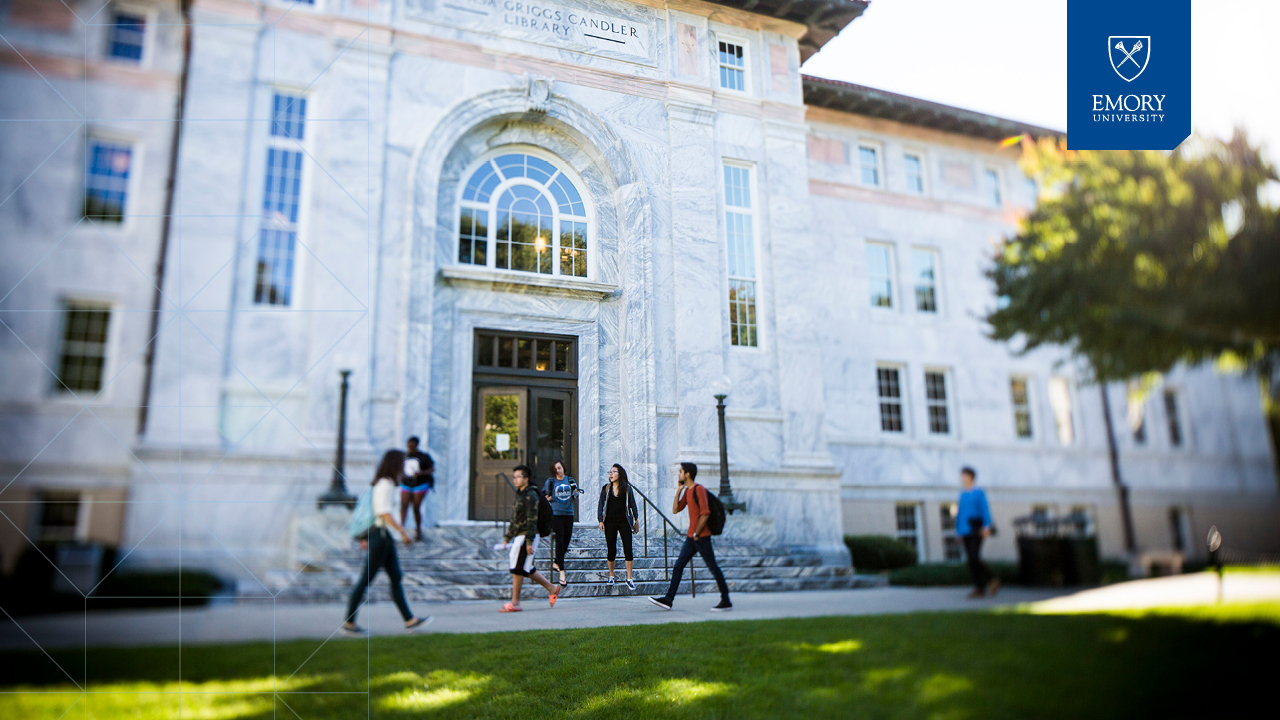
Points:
x=559 y=492
x=382 y=548
x=617 y=514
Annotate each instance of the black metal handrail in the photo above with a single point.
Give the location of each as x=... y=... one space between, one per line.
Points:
x=666 y=521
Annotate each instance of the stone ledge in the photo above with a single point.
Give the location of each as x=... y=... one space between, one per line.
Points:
x=533 y=284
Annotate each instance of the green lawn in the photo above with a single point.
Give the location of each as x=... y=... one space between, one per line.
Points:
x=1200 y=663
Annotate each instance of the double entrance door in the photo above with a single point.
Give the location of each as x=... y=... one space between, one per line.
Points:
x=522 y=416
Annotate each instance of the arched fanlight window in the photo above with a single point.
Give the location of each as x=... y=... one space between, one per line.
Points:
x=520 y=212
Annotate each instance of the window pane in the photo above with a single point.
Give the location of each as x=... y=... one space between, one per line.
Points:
x=879 y=275
x=84 y=345
x=890 y=393
x=924 y=264
x=992 y=180
x=127 y=35
x=287 y=115
x=274 y=283
x=562 y=350
x=742 y=313
x=543 y=355
x=486 y=345
x=870 y=165
x=524 y=354
x=935 y=391
x=732 y=75
x=106 y=180
x=915 y=174
x=506 y=352
x=1171 y=414
x=1060 y=401
x=1021 y=407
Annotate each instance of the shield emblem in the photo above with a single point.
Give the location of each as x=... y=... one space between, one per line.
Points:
x=1129 y=55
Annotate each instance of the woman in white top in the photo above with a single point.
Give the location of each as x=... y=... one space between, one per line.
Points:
x=382 y=549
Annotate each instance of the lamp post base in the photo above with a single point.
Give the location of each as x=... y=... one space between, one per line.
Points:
x=336 y=495
x=730 y=505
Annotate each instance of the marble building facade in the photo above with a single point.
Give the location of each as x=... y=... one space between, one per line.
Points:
x=435 y=194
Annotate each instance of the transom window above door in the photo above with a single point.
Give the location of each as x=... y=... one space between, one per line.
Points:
x=520 y=212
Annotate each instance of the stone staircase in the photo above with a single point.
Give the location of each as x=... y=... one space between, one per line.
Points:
x=459 y=563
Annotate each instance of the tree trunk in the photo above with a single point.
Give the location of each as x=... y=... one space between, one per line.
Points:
x=1122 y=490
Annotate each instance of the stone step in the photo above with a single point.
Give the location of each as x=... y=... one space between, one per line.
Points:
x=532 y=593
x=436 y=565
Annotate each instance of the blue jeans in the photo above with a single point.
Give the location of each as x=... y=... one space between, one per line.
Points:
x=702 y=546
x=382 y=556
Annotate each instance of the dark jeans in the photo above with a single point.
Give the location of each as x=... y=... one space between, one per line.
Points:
x=382 y=556
x=611 y=532
x=562 y=526
x=978 y=570
x=702 y=546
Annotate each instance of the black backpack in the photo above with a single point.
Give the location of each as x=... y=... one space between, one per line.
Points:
x=544 y=516
x=715 y=523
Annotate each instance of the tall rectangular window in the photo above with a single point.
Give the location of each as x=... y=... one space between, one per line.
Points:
x=1172 y=417
x=1179 y=528
x=1021 y=398
x=869 y=165
x=1137 y=413
x=924 y=264
x=281 y=199
x=732 y=67
x=950 y=541
x=741 y=239
x=991 y=185
x=880 y=274
x=935 y=396
x=914 y=167
x=127 y=35
x=84 y=347
x=59 y=515
x=1063 y=415
x=106 y=180
x=907 y=516
x=889 y=389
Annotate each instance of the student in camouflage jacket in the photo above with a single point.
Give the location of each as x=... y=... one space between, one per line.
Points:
x=521 y=540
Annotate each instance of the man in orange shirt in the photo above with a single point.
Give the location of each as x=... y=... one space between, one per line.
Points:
x=693 y=496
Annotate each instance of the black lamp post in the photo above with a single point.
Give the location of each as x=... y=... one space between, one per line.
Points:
x=337 y=493
x=726 y=491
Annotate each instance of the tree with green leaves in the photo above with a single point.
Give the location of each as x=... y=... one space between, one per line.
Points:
x=1135 y=261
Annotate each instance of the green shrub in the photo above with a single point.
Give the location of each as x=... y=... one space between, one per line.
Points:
x=879 y=552
x=945 y=574
x=160 y=585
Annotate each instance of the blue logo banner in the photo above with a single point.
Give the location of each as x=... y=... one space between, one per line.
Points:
x=1128 y=74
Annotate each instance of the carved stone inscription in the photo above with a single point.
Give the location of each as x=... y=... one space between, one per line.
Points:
x=618 y=32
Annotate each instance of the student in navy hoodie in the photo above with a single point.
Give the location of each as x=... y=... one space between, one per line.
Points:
x=973 y=525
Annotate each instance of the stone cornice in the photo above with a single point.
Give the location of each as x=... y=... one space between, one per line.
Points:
x=521 y=283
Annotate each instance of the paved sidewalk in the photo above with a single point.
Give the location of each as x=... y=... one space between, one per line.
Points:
x=247 y=620
x=1191 y=589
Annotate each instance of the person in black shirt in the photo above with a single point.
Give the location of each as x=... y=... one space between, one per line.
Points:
x=616 y=512
x=418 y=479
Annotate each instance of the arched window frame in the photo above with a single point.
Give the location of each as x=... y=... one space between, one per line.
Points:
x=490 y=207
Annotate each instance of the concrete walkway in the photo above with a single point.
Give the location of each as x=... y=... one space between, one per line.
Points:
x=247 y=619
x=264 y=619
x=1192 y=589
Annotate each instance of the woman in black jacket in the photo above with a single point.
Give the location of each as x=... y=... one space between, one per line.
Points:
x=617 y=514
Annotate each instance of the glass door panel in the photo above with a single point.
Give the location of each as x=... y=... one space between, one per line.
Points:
x=552 y=432
x=501 y=444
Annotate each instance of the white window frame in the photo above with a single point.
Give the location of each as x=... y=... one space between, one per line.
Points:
x=878 y=148
x=893 y=275
x=950 y=509
x=753 y=188
x=924 y=171
x=137 y=149
x=150 y=15
x=491 y=254
x=904 y=407
x=110 y=350
x=948 y=402
x=918 y=534
x=747 y=78
x=987 y=171
x=1028 y=384
x=297 y=286
x=937 y=280
x=1072 y=408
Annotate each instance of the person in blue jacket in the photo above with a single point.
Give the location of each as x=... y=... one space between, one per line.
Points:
x=973 y=525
